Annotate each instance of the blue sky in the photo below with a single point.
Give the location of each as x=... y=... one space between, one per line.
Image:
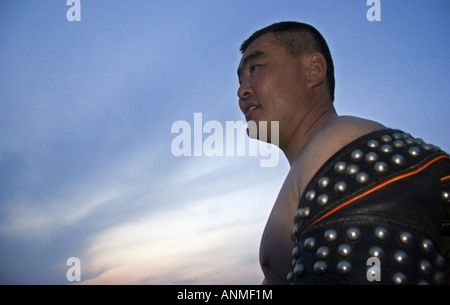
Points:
x=86 y=109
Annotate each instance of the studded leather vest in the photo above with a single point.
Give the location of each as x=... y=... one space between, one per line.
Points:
x=377 y=212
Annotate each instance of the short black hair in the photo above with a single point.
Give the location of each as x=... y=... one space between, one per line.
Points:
x=298 y=39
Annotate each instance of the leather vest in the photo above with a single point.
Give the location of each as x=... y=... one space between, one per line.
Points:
x=377 y=212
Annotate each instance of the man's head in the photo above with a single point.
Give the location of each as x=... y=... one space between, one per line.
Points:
x=285 y=72
x=297 y=39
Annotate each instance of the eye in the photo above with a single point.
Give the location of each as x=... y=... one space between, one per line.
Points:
x=253 y=68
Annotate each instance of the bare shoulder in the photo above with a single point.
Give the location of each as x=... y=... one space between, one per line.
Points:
x=345 y=129
x=331 y=138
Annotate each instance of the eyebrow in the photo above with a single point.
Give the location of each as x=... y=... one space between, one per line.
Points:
x=248 y=58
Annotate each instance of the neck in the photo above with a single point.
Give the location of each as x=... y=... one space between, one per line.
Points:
x=312 y=122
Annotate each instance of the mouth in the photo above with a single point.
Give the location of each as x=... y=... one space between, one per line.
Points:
x=251 y=109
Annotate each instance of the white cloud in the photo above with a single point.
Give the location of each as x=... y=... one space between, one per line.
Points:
x=34 y=220
x=211 y=241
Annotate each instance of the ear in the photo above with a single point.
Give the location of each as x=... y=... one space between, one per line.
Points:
x=316 y=69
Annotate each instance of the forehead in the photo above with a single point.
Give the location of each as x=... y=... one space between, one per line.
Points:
x=265 y=41
x=260 y=46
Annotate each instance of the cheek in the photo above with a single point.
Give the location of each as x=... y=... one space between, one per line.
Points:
x=289 y=90
x=279 y=94
x=278 y=91
x=265 y=85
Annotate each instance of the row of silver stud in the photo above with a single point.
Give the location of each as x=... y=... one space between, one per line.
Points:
x=397 y=139
x=344 y=250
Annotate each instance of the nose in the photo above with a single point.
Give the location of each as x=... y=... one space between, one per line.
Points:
x=242 y=94
x=244 y=90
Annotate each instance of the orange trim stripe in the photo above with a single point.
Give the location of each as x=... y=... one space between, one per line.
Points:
x=445 y=178
x=379 y=187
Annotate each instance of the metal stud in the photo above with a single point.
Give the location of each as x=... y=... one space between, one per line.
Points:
x=399 y=278
x=405 y=238
x=344 y=250
x=290 y=277
x=357 y=154
x=376 y=252
x=310 y=195
x=322 y=252
x=296 y=229
x=445 y=195
x=344 y=267
x=362 y=177
x=410 y=141
x=381 y=167
x=427 y=146
x=322 y=199
x=425 y=267
x=400 y=257
x=323 y=182
x=398 y=159
x=353 y=233
x=320 y=267
x=373 y=144
x=386 y=148
x=309 y=243
x=295 y=252
x=397 y=136
x=303 y=212
x=330 y=235
x=340 y=186
x=386 y=138
x=414 y=151
x=440 y=261
x=438 y=278
x=340 y=166
x=371 y=157
x=381 y=233
x=298 y=270
x=352 y=169
x=406 y=135
x=427 y=246
x=399 y=143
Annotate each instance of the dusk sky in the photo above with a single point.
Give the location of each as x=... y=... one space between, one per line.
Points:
x=87 y=110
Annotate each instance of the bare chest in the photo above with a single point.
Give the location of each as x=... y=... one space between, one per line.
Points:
x=278 y=240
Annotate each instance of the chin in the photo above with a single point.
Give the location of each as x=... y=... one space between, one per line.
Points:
x=261 y=130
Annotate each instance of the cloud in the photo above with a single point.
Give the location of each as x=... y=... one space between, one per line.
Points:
x=210 y=240
x=198 y=222
x=54 y=196
x=31 y=220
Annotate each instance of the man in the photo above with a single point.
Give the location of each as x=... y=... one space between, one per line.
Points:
x=361 y=204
